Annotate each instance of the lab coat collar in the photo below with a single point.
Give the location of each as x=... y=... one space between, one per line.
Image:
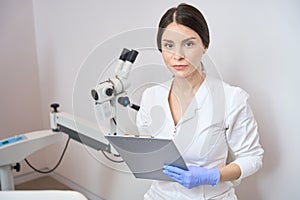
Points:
x=197 y=102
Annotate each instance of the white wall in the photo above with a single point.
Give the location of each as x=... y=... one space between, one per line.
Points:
x=253 y=44
x=20 y=99
x=19 y=82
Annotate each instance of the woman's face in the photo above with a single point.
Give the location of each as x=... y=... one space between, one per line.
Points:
x=182 y=50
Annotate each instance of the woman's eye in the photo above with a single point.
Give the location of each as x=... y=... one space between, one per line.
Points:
x=169 y=45
x=189 y=44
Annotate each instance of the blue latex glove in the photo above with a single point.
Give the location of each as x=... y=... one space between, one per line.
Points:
x=194 y=177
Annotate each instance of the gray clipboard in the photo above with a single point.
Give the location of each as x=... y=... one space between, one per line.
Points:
x=146 y=157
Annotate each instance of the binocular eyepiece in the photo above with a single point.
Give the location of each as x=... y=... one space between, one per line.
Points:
x=105 y=90
x=128 y=55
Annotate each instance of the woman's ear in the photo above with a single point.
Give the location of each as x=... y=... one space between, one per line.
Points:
x=204 y=49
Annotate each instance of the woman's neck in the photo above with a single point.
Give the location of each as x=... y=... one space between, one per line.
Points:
x=188 y=85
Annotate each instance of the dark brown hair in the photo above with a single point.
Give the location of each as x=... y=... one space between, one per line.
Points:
x=186 y=15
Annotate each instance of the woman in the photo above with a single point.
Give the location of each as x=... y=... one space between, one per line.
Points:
x=207 y=118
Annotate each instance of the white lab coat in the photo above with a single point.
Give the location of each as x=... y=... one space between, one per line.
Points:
x=218 y=122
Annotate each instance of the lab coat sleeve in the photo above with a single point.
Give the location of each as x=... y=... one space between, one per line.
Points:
x=243 y=136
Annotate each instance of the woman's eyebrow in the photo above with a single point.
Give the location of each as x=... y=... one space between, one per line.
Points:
x=189 y=38
x=165 y=40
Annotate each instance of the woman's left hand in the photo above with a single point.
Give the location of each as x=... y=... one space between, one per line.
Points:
x=193 y=177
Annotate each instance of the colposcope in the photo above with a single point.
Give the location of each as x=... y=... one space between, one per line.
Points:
x=106 y=95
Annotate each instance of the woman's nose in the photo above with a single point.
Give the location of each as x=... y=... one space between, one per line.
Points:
x=178 y=54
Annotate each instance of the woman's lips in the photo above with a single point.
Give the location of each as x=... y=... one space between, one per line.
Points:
x=179 y=67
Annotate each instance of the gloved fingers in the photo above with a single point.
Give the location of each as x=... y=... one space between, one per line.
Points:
x=183 y=181
x=181 y=176
x=173 y=169
x=173 y=175
x=187 y=185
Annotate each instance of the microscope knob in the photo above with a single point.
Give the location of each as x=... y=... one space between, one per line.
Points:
x=54 y=106
x=109 y=92
x=95 y=95
x=17 y=167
